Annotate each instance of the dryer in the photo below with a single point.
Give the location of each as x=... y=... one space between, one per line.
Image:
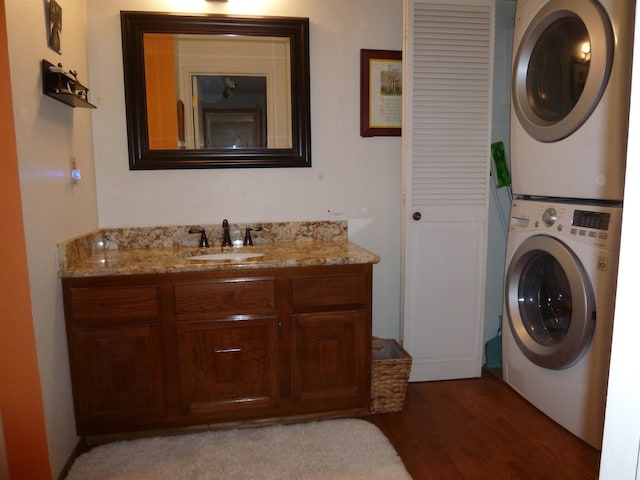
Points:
x=560 y=283
x=570 y=97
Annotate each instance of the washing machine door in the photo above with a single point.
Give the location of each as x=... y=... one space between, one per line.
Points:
x=561 y=68
x=549 y=302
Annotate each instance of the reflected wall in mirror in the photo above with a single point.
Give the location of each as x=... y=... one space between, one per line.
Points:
x=211 y=91
x=229 y=112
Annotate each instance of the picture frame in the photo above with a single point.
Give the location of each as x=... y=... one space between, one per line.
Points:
x=380 y=93
x=55 y=26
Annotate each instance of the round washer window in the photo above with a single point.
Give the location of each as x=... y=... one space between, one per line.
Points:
x=558 y=69
x=561 y=68
x=550 y=303
x=544 y=295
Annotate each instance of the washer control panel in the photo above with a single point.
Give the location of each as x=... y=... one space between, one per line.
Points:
x=590 y=219
x=590 y=224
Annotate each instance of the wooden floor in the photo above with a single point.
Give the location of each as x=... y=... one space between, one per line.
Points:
x=482 y=429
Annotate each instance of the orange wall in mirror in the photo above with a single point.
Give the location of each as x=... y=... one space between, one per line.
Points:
x=162 y=110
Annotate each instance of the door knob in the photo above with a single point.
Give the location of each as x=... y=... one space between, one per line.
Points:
x=417 y=216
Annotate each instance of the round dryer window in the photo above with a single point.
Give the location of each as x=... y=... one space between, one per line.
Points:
x=550 y=303
x=561 y=68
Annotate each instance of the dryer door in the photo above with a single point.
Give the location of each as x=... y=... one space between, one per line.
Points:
x=561 y=68
x=550 y=303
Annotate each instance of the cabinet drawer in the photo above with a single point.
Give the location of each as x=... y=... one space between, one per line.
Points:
x=90 y=304
x=226 y=297
x=338 y=289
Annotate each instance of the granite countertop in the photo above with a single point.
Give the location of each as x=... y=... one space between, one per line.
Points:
x=98 y=254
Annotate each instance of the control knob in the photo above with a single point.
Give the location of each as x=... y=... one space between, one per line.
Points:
x=549 y=216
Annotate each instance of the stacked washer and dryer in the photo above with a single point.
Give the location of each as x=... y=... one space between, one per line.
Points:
x=569 y=122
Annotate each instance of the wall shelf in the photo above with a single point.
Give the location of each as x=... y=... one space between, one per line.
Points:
x=63 y=86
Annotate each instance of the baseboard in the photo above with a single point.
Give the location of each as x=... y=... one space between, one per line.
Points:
x=95 y=440
x=80 y=448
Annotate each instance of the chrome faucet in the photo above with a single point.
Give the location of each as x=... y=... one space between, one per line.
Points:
x=226 y=237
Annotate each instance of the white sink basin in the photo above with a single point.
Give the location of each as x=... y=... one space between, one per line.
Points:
x=233 y=256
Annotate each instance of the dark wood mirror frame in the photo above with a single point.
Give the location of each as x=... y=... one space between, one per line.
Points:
x=141 y=157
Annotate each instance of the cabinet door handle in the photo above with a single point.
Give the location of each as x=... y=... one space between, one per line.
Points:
x=227 y=350
x=279 y=329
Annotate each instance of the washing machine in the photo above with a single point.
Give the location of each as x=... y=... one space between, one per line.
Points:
x=560 y=283
x=570 y=86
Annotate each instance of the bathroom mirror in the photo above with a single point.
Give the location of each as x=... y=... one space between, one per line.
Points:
x=214 y=91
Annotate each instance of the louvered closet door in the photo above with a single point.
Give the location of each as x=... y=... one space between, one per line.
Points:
x=446 y=139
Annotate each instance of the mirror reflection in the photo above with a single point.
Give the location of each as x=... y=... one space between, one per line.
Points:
x=228 y=112
x=214 y=91
x=208 y=91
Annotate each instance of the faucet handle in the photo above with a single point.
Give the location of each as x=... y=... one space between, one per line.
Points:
x=247 y=235
x=204 y=243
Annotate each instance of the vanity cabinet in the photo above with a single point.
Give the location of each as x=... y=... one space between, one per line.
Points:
x=227 y=344
x=170 y=350
x=115 y=349
x=331 y=337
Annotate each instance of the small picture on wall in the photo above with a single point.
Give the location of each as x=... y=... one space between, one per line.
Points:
x=55 y=25
x=380 y=93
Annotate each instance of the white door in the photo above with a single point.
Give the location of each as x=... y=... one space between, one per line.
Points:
x=446 y=140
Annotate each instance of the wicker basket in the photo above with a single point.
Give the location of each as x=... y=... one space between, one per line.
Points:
x=391 y=366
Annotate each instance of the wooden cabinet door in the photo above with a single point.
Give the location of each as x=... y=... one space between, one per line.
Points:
x=228 y=364
x=330 y=359
x=119 y=379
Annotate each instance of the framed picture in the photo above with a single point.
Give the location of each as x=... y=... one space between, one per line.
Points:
x=55 y=25
x=380 y=93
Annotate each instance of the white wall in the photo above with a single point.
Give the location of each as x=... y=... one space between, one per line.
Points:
x=499 y=203
x=47 y=134
x=621 y=444
x=358 y=176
